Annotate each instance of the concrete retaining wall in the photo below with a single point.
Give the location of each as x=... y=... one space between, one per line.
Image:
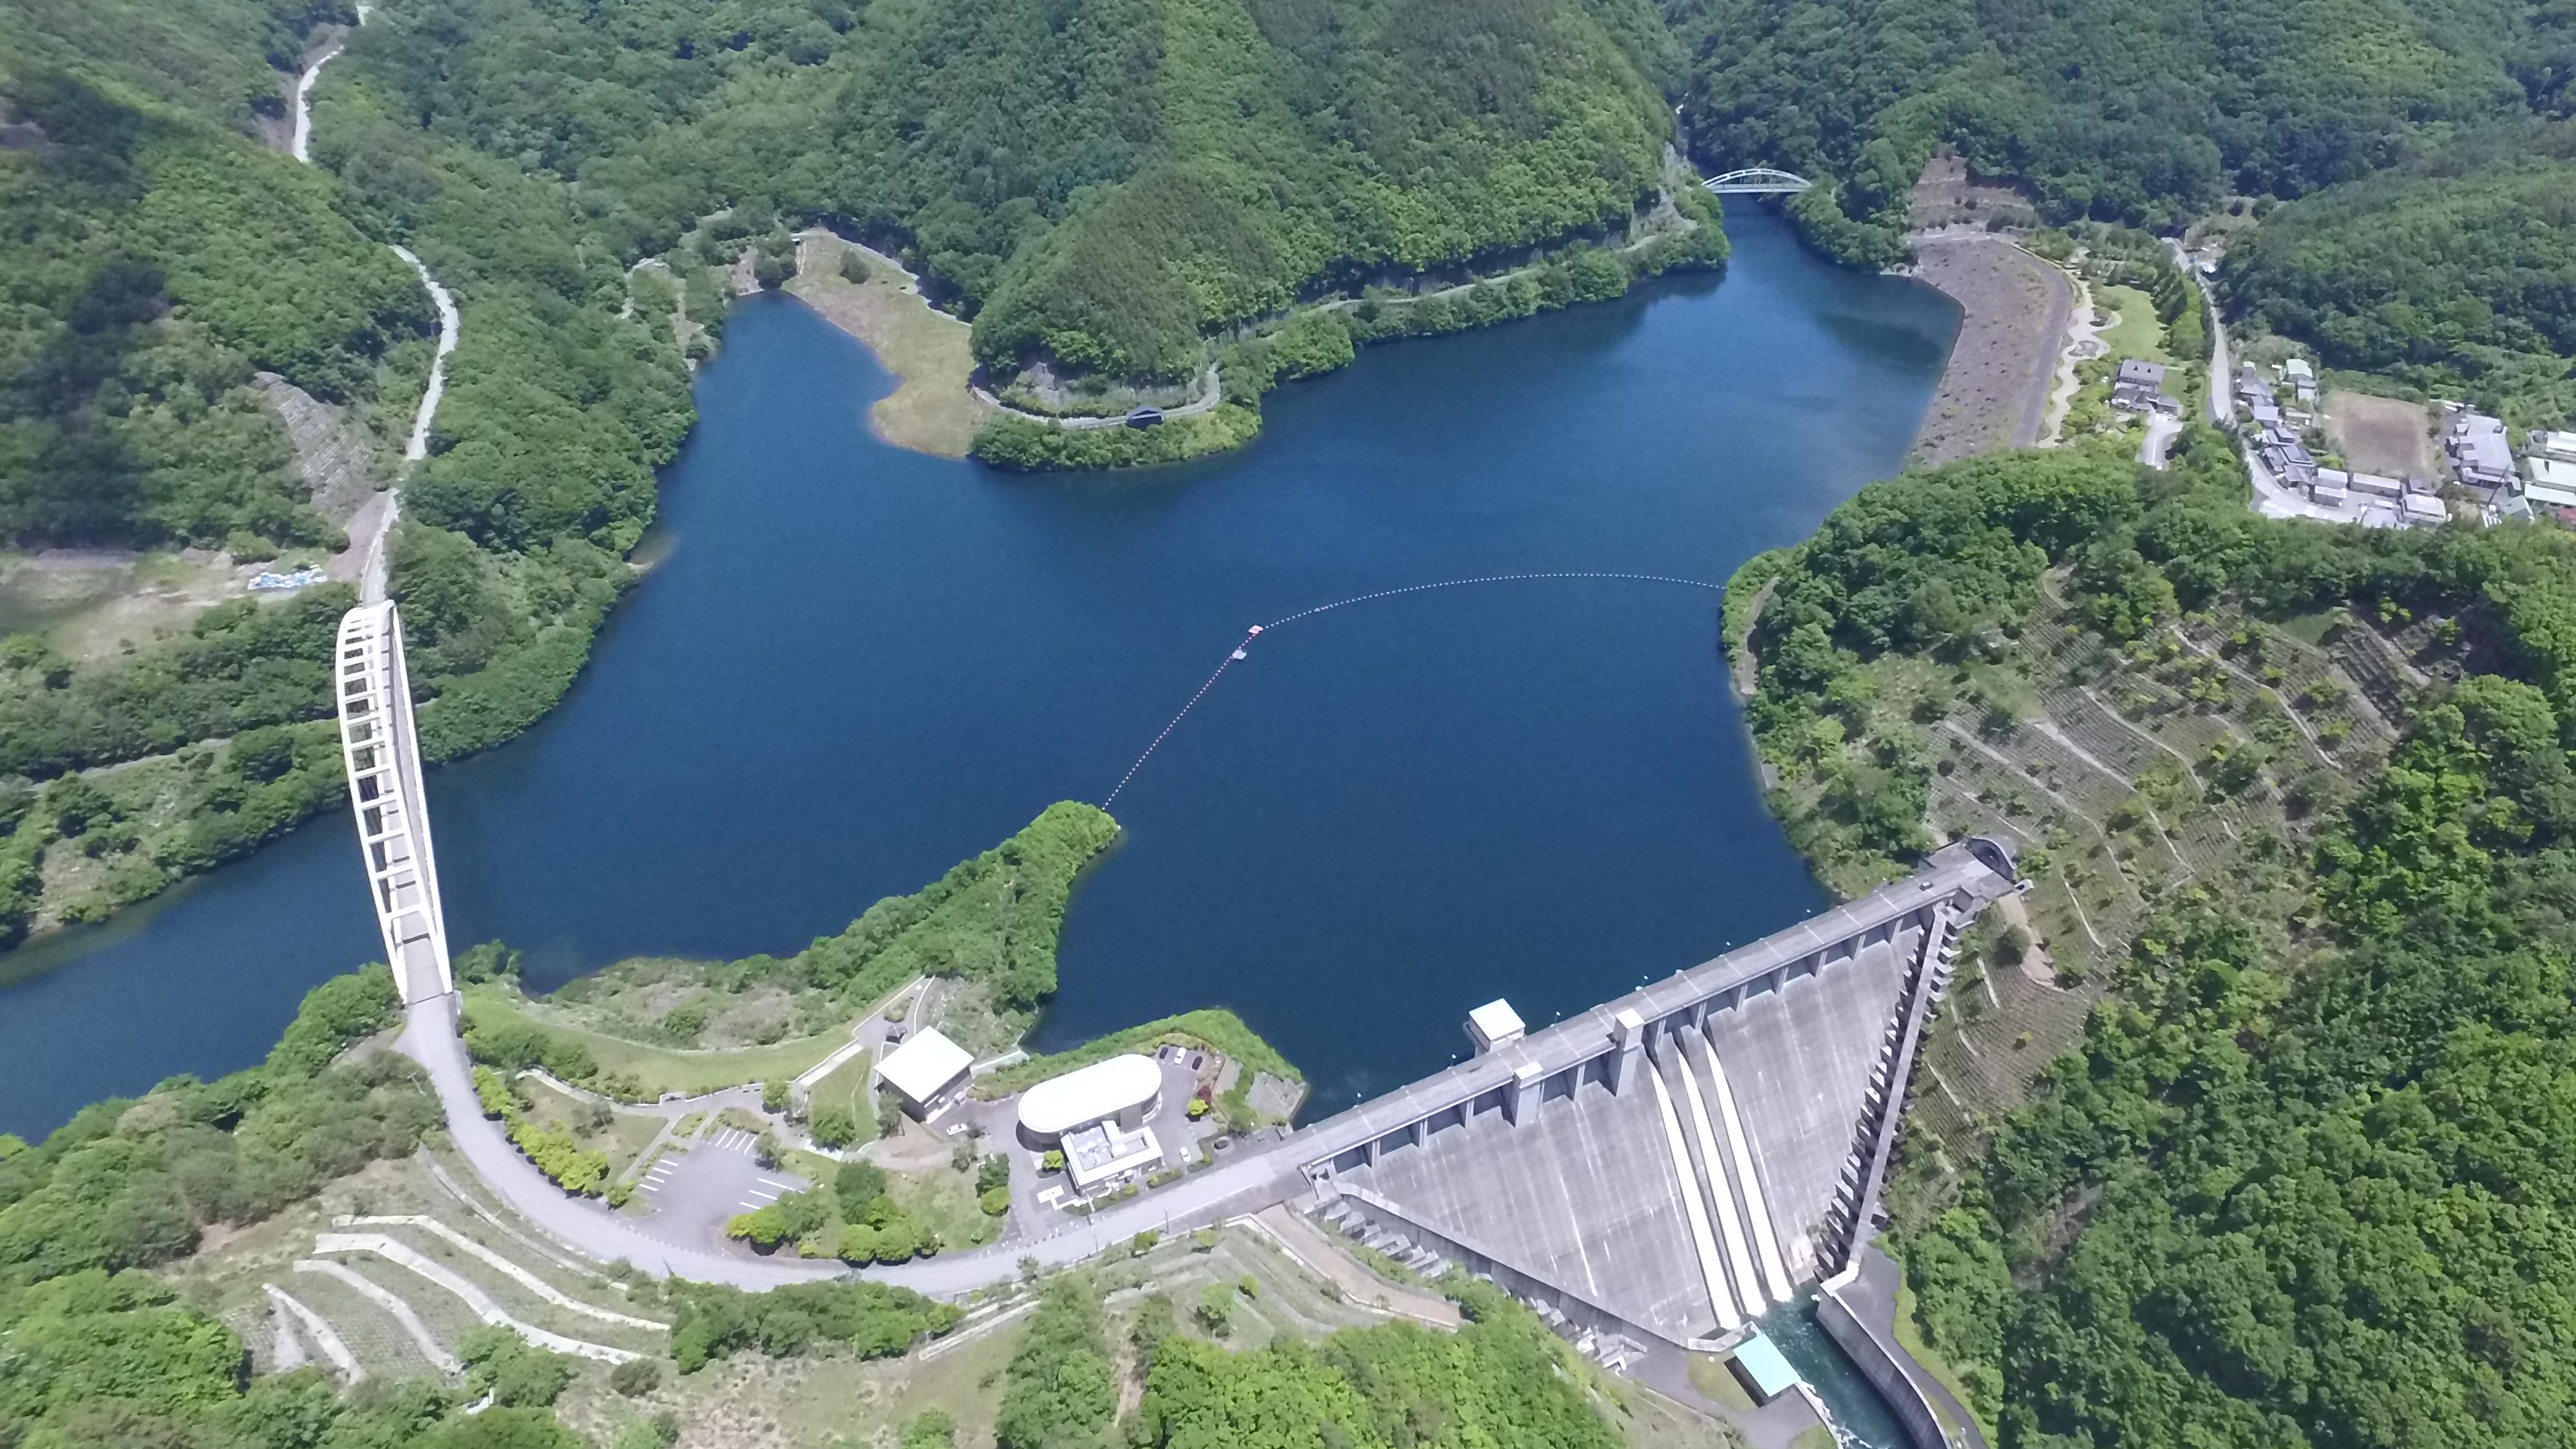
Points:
x=1878 y=1363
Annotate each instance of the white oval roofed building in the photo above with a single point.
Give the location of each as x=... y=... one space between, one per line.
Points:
x=1096 y=1116
x=1122 y=1089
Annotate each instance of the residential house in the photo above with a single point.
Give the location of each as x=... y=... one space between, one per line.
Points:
x=2251 y=388
x=2302 y=380
x=2475 y=444
x=2140 y=388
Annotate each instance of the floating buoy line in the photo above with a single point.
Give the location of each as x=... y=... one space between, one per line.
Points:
x=1243 y=648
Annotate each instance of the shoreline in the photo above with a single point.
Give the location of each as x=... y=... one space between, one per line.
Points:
x=932 y=408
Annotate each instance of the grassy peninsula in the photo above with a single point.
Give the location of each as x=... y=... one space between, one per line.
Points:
x=985 y=934
x=2272 y=1046
x=988 y=929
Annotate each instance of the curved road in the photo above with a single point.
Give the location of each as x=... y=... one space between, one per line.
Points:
x=301 y=147
x=1240 y=1185
x=1211 y=392
x=371 y=585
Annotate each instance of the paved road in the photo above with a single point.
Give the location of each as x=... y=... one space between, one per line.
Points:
x=2161 y=432
x=1241 y=1185
x=2222 y=394
x=1210 y=393
x=1253 y=1176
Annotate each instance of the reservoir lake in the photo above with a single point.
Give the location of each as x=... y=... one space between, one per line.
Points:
x=852 y=667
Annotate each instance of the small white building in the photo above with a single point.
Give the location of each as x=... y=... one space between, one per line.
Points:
x=1096 y=1116
x=2302 y=379
x=2423 y=510
x=2555 y=447
x=1494 y=1024
x=927 y=1072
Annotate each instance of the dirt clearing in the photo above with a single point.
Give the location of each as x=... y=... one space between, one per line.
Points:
x=91 y=603
x=2383 y=435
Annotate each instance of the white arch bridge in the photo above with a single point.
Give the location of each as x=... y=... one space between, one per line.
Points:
x=383 y=759
x=1757 y=181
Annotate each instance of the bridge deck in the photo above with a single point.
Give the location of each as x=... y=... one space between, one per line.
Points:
x=382 y=756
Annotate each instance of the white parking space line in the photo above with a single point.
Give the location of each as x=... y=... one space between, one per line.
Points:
x=774 y=1182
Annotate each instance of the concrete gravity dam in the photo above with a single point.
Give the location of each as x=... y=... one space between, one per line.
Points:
x=1671 y=1165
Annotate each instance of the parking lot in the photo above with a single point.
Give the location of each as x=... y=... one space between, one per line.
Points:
x=694 y=1193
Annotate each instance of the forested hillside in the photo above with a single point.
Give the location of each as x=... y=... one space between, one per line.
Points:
x=156 y=257
x=2455 y=274
x=2421 y=146
x=1279 y=145
x=2296 y=803
x=2143 y=113
x=1094 y=184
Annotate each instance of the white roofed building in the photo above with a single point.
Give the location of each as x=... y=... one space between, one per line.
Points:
x=1096 y=1116
x=1493 y=1024
x=1125 y=1089
x=2549 y=483
x=2548 y=472
x=927 y=1072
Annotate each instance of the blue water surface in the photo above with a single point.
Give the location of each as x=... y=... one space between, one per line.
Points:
x=854 y=666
